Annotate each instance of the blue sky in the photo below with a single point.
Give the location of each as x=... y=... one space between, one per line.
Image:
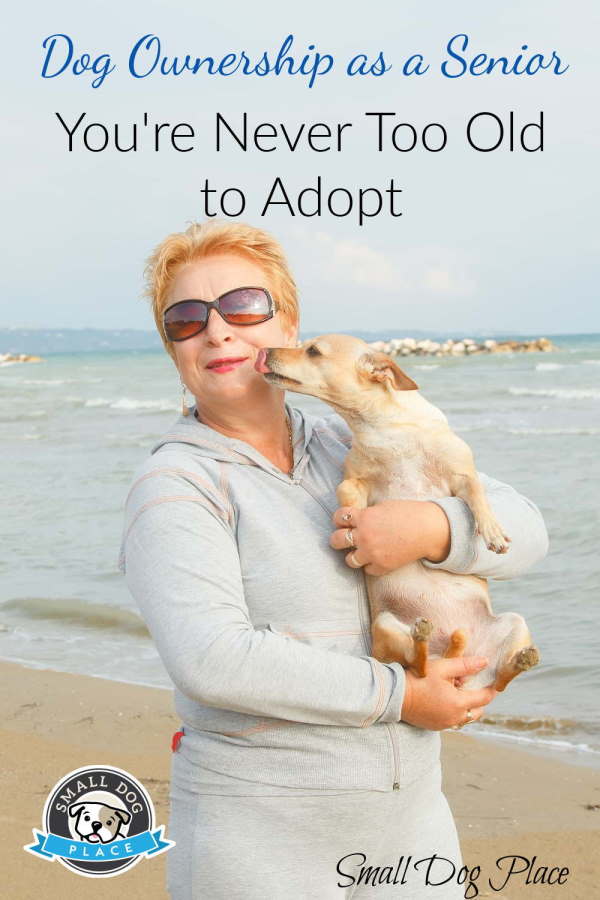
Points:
x=497 y=241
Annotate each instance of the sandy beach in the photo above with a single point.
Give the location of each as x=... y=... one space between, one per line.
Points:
x=506 y=801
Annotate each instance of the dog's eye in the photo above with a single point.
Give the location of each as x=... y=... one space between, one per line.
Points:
x=109 y=822
x=87 y=818
x=313 y=350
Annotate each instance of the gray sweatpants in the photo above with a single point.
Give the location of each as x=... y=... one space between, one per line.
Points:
x=238 y=840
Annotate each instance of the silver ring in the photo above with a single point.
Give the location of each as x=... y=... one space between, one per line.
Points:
x=349 y=538
x=347 y=517
x=469 y=718
x=354 y=561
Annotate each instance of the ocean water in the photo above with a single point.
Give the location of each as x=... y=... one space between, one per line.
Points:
x=75 y=426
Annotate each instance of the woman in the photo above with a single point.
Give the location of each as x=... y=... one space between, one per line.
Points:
x=299 y=751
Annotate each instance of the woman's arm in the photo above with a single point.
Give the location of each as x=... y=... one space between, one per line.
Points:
x=182 y=568
x=520 y=519
x=397 y=532
x=442 y=534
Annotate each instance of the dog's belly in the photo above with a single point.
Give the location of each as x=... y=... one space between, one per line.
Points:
x=450 y=602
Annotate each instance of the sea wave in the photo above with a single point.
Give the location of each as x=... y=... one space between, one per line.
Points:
x=25 y=414
x=550 y=731
x=72 y=611
x=560 y=393
x=591 y=362
x=35 y=664
x=552 y=431
x=549 y=367
x=45 y=381
x=547 y=725
x=550 y=743
x=127 y=403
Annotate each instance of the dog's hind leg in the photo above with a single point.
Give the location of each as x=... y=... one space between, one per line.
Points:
x=392 y=640
x=456 y=644
x=421 y=632
x=523 y=659
x=517 y=651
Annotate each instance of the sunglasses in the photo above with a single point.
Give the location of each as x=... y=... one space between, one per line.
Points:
x=241 y=306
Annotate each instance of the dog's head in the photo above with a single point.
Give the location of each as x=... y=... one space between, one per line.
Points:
x=97 y=822
x=341 y=370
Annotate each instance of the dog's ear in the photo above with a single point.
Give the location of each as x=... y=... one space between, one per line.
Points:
x=123 y=815
x=75 y=808
x=379 y=367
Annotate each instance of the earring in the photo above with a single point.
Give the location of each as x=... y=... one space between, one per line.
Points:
x=184 y=409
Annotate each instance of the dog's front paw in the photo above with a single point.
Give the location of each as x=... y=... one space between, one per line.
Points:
x=494 y=537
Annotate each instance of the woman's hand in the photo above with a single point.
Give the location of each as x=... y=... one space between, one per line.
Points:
x=436 y=701
x=391 y=534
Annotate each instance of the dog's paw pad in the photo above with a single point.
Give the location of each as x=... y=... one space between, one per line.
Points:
x=422 y=629
x=527 y=658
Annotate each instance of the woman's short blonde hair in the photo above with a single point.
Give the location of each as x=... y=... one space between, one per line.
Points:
x=211 y=239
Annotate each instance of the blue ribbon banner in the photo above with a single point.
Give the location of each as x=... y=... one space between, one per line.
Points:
x=51 y=845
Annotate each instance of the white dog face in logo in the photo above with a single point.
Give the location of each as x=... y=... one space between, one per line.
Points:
x=97 y=822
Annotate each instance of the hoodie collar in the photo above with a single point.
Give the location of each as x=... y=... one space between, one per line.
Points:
x=210 y=443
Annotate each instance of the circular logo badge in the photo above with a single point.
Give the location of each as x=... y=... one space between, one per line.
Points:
x=98 y=821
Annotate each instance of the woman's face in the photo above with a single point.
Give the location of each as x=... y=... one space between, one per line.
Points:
x=217 y=365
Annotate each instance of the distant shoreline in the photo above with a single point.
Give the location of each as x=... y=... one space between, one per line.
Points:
x=408 y=346
x=55 y=341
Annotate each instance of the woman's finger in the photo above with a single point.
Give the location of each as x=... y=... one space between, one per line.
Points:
x=476 y=713
x=472 y=699
x=463 y=666
x=346 y=517
x=354 y=561
x=472 y=714
x=343 y=539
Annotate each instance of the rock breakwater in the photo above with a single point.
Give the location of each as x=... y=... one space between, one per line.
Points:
x=6 y=358
x=466 y=347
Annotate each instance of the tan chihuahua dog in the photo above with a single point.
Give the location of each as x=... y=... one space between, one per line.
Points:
x=403 y=449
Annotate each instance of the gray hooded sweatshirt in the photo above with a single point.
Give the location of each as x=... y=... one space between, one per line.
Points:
x=263 y=628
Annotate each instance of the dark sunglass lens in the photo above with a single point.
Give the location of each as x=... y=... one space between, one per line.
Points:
x=184 y=320
x=247 y=306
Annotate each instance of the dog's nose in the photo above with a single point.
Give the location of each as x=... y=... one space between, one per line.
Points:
x=96 y=826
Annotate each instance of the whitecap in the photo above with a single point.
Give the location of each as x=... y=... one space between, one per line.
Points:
x=94 y=401
x=549 y=367
x=25 y=414
x=560 y=393
x=427 y=367
x=591 y=362
x=126 y=403
x=52 y=381
x=551 y=431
